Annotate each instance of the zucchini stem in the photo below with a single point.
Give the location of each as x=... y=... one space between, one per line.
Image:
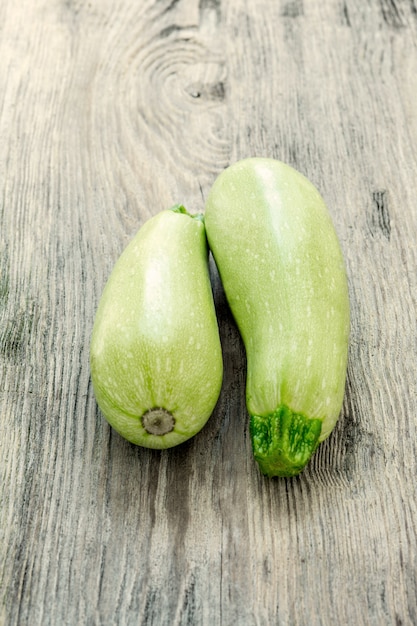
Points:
x=179 y=208
x=284 y=441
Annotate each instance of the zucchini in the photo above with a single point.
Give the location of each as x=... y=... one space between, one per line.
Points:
x=284 y=276
x=155 y=355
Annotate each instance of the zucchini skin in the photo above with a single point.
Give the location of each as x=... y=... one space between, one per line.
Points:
x=155 y=346
x=284 y=276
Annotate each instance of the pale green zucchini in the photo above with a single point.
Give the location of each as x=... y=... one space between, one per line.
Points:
x=283 y=273
x=156 y=362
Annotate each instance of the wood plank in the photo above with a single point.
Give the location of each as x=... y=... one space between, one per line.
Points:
x=109 y=112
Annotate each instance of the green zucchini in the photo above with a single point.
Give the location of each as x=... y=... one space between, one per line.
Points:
x=284 y=276
x=155 y=355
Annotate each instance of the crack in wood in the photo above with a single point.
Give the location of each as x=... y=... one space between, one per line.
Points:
x=346 y=18
x=392 y=14
x=293 y=9
x=379 y=220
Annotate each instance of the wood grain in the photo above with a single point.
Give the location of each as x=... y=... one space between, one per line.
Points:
x=110 y=111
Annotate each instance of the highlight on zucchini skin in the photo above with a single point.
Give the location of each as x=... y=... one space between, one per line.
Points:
x=284 y=276
x=155 y=355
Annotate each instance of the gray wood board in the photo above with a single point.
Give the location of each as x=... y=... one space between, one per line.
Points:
x=110 y=112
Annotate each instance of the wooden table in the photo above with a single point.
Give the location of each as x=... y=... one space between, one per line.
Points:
x=111 y=111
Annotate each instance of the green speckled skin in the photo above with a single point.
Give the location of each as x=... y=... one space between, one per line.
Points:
x=284 y=277
x=155 y=341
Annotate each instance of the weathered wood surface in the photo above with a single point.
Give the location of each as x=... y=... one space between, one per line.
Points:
x=109 y=112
